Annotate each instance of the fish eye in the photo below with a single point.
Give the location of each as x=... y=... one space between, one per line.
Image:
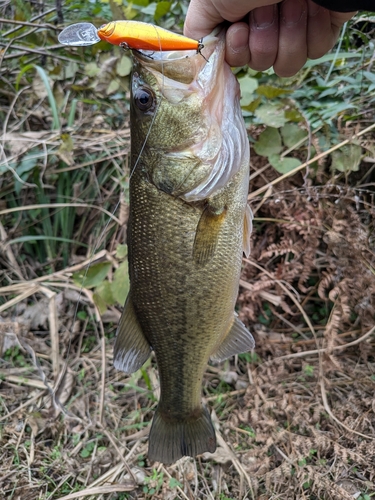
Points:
x=144 y=99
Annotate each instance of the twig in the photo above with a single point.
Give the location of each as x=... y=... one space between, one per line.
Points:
x=178 y=488
x=24 y=405
x=34 y=18
x=235 y=461
x=329 y=411
x=59 y=205
x=98 y=490
x=54 y=331
x=64 y=272
x=322 y=351
x=102 y=390
x=307 y=163
x=119 y=453
x=24 y=50
x=33 y=289
x=292 y=297
x=25 y=23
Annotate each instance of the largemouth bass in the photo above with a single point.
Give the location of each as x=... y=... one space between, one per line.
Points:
x=188 y=227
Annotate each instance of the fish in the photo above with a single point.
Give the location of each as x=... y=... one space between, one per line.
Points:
x=189 y=224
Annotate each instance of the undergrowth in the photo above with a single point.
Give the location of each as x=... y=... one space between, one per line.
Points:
x=296 y=417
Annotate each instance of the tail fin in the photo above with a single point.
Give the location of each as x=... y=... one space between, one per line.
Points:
x=171 y=440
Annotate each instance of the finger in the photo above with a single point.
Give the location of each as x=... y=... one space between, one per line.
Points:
x=292 y=53
x=320 y=38
x=321 y=32
x=263 y=40
x=237 y=51
x=203 y=16
x=338 y=19
x=201 y=19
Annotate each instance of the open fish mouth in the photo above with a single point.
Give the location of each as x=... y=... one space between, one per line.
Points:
x=219 y=146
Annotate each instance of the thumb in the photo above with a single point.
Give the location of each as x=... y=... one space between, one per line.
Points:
x=204 y=15
x=201 y=18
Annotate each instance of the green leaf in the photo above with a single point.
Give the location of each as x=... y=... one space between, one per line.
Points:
x=293 y=115
x=43 y=75
x=347 y=159
x=129 y=12
x=271 y=115
x=112 y=87
x=121 y=251
x=269 y=142
x=124 y=66
x=99 y=302
x=70 y=70
x=150 y=9
x=253 y=105
x=173 y=483
x=65 y=151
x=104 y=291
x=120 y=285
x=92 y=69
x=283 y=165
x=28 y=162
x=270 y=92
x=162 y=8
x=248 y=86
x=292 y=134
x=51 y=98
x=43 y=237
x=94 y=275
x=87 y=450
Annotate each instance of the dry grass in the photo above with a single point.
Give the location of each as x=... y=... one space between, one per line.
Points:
x=295 y=419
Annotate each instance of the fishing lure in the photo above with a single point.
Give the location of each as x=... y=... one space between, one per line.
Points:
x=134 y=35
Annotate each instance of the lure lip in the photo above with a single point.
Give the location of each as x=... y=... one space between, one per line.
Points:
x=79 y=35
x=107 y=29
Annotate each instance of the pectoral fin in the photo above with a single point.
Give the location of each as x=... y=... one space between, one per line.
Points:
x=131 y=347
x=247 y=230
x=207 y=235
x=238 y=340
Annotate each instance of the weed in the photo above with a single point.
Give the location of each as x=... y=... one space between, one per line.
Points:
x=310 y=279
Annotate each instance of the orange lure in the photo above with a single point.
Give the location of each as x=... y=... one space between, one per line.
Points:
x=145 y=36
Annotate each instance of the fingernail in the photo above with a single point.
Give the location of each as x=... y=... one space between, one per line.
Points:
x=314 y=8
x=292 y=12
x=263 y=17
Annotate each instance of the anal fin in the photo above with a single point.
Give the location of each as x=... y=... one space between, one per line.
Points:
x=247 y=230
x=238 y=340
x=131 y=349
x=207 y=235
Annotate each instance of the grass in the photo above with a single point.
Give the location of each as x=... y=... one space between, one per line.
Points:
x=294 y=419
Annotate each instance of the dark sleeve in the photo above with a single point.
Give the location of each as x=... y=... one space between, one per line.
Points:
x=347 y=5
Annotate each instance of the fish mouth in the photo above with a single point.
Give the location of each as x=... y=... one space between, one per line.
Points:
x=184 y=66
x=223 y=147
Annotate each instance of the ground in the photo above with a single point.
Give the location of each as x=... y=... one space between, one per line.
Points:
x=295 y=419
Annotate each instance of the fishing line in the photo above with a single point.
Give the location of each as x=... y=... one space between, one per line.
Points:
x=156 y=111
x=100 y=240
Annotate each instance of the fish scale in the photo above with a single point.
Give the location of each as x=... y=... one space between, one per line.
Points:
x=184 y=254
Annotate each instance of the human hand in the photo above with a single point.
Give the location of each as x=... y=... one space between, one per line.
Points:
x=267 y=33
